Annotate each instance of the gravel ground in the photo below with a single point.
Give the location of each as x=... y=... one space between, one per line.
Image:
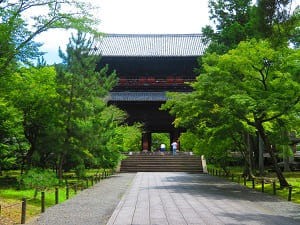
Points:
x=92 y=206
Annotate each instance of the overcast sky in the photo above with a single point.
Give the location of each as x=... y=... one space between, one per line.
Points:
x=138 y=17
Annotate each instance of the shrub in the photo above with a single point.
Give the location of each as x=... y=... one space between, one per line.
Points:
x=80 y=171
x=38 y=179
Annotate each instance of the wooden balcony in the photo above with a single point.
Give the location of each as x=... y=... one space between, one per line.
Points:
x=153 y=82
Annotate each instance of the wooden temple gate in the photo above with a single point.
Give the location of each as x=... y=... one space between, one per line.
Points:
x=148 y=66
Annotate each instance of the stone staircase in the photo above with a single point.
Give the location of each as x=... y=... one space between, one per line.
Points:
x=162 y=163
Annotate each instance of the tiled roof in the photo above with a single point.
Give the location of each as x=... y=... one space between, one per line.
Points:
x=145 y=45
x=137 y=96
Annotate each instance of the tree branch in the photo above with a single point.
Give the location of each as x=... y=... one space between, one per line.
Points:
x=284 y=111
x=262 y=75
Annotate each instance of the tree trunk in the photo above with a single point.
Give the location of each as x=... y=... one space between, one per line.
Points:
x=247 y=153
x=28 y=156
x=243 y=148
x=60 y=165
x=35 y=193
x=286 y=160
x=286 y=164
x=250 y=154
x=281 y=178
x=260 y=156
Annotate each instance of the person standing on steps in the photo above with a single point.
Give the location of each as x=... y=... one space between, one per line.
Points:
x=174 y=147
x=162 y=148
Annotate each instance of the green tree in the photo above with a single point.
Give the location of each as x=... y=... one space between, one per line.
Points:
x=11 y=134
x=295 y=33
x=109 y=151
x=30 y=96
x=38 y=179
x=113 y=137
x=20 y=22
x=276 y=21
x=240 y=20
x=248 y=89
x=81 y=91
x=232 y=24
x=132 y=136
x=211 y=130
x=158 y=139
x=34 y=93
x=18 y=30
x=188 y=141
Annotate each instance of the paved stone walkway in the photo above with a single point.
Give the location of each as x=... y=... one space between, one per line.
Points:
x=181 y=198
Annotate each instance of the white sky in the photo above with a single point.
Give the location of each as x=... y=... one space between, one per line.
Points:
x=137 y=16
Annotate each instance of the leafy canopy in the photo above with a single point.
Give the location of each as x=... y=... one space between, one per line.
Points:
x=21 y=21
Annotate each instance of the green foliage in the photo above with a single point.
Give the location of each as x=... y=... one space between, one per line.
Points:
x=112 y=137
x=18 y=29
x=56 y=116
x=38 y=179
x=249 y=89
x=29 y=94
x=80 y=171
x=295 y=33
x=231 y=18
x=160 y=138
x=83 y=110
x=276 y=21
x=240 y=20
x=188 y=141
x=11 y=134
x=131 y=137
x=33 y=92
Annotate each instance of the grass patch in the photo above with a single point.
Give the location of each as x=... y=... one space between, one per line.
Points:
x=11 y=197
x=293 y=178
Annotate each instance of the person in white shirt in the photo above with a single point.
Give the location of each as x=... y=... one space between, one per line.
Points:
x=174 y=147
x=162 y=147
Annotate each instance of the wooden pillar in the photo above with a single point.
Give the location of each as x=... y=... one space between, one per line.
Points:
x=146 y=141
x=149 y=141
x=174 y=136
x=171 y=140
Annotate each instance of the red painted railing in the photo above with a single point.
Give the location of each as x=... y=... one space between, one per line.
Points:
x=152 y=81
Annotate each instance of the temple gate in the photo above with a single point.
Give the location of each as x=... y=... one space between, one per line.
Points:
x=148 y=66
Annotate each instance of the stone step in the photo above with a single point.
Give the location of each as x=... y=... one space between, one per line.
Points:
x=163 y=158
x=162 y=163
x=165 y=167
x=161 y=170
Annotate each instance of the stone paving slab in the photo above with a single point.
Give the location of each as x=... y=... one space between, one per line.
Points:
x=196 y=199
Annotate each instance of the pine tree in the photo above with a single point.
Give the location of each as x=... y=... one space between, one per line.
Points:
x=81 y=90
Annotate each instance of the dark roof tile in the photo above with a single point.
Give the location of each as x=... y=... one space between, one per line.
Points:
x=146 y=45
